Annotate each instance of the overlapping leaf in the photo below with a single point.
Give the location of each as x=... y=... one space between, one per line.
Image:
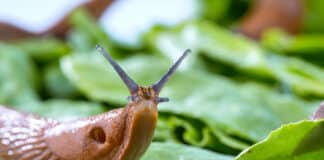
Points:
x=303 y=140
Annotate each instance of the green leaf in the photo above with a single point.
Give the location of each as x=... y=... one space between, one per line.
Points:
x=302 y=77
x=305 y=45
x=214 y=42
x=214 y=10
x=314 y=15
x=303 y=140
x=43 y=49
x=56 y=84
x=80 y=41
x=241 y=54
x=91 y=31
x=197 y=133
x=173 y=151
x=162 y=131
x=232 y=109
x=17 y=76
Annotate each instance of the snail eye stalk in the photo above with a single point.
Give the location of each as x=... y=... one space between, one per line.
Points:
x=131 y=85
x=159 y=84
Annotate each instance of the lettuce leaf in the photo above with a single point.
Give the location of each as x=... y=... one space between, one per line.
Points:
x=302 y=140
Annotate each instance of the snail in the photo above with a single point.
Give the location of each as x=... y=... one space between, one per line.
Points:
x=120 y=134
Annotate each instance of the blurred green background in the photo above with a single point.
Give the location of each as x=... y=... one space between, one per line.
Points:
x=228 y=95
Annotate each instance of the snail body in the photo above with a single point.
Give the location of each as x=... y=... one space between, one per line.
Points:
x=121 y=134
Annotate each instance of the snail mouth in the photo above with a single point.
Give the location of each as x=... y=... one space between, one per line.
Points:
x=156 y=99
x=162 y=99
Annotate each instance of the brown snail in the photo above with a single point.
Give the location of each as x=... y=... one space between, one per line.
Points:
x=121 y=134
